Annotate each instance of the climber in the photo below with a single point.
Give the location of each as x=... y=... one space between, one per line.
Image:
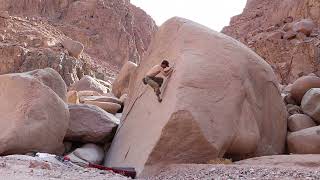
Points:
x=156 y=82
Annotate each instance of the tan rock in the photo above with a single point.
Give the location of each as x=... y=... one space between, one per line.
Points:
x=304 y=26
x=90 y=123
x=199 y=118
x=123 y=79
x=310 y=104
x=88 y=93
x=306 y=141
x=90 y=153
x=87 y=83
x=110 y=107
x=73 y=97
x=100 y=99
x=33 y=116
x=302 y=85
x=298 y=122
x=74 y=48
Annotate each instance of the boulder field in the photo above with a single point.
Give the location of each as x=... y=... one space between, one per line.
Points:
x=222 y=99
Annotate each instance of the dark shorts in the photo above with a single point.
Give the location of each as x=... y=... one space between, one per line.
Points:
x=154 y=82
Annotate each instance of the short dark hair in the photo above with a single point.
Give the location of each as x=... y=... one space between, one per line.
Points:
x=165 y=62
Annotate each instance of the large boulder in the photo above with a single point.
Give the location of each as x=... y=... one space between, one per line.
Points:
x=87 y=83
x=52 y=79
x=74 y=48
x=121 y=83
x=298 y=122
x=310 y=104
x=89 y=123
x=32 y=116
x=306 y=141
x=222 y=99
x=302 y=85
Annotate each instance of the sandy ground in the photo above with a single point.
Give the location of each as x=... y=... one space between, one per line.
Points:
x=30 y=168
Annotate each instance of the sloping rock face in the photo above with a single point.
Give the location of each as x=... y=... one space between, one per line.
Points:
x=33 y=118
x=199 y=118
x=112 y=31
x=268 y=27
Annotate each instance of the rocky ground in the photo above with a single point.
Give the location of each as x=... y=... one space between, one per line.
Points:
x=235 y=172
x=30 y=168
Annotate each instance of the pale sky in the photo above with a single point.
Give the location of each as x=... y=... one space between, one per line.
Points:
x=212 y=13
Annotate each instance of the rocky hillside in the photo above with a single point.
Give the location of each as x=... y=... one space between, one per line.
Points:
x=269 y=27
x=112 y=31
x=28 y=44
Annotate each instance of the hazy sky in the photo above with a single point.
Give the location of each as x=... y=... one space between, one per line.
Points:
x=212 y=13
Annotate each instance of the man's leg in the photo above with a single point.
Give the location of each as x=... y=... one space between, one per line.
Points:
x=151 y=82
x=159 y=80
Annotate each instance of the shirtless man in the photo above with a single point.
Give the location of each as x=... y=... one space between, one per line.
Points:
x=156 y=82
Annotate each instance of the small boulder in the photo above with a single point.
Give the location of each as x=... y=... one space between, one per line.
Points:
x=122 y=81
x=302 y=85
x=73 y=97
x=294 y=109
x=304 y=26
x=90 y=124
x=100 y=99
x=110 y=107
x=74 y=48
x=90 y=153
x=87 y=83
x=310 y=104
x=288 y=99
x=298 y=122
x=306 y=141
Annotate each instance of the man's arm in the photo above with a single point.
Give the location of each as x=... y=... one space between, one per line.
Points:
x=168 y=72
